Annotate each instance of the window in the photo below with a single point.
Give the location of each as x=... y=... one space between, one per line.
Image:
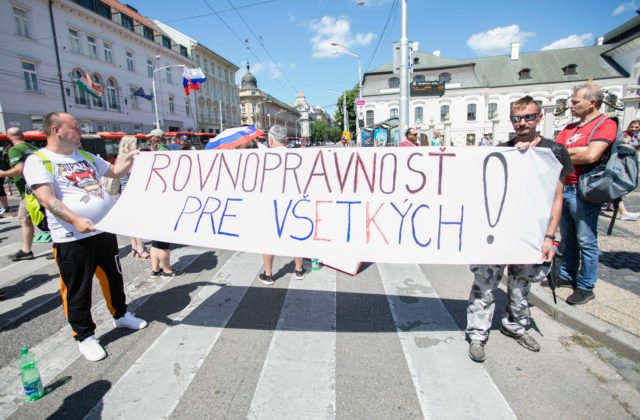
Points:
x=37 y=122
x=149 y=68
x=93 y=47
x=561 y=108
x=370 y=118
x=183 y=51
x=147 y=33
x=471 y=112
x=127 y=22
x=85 y=126
x=108 y=57
x=168 y=73
x=570 y=69
x=74 y=40
x=97 y=80
x=394 y=82
x=419 y=78
x=444 y=77
x=172 y=105
x=394 y=113
x=187 y=106
x=418 y=116
x=492 y=110
x=80 y=96
x=133 y=99
x=444 y=113
x=101 y=126
x=471 y=139
x=30 y=76
x=612 y=99
x=166 y=42
x=116 y=127
x=22 y=22
x=524 y=74
x=130 y=61
x=112 y=95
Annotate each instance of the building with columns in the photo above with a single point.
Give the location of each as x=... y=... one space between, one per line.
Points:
x=49 y=46
x=478 y=92
x=262 y=110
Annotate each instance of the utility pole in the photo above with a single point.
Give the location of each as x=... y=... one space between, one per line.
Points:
x=404 y=72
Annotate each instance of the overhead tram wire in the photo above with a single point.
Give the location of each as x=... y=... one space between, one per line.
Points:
x=261 y=42
x=392 y=12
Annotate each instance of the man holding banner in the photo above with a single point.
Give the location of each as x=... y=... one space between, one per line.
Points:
x=65 y=180
x=525 y=116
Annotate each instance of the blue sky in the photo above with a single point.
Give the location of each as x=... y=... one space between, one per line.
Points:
x=288 y=42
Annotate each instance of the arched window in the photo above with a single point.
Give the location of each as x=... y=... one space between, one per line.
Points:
x=112 y=94
x=370 y=117
x=394 y=113
x=97 y=80
x=418 y=115
x=419 y=78
x=561 y=108
x=492 y=109
x=444 y=113
x=79 y=95
x=471 y=112
x=444 y=77
x=394 y=82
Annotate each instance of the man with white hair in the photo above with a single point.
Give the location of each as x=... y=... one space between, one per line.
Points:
x=277 y=138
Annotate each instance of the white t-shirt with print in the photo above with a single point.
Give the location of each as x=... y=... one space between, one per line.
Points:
x=76 y=184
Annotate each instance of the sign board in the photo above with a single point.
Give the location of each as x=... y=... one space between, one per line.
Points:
x=413 y=47
x=397 y=205
x=360 y=102
x=346 y=135
x=427 y=88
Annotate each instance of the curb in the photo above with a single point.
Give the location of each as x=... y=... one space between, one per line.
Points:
x=611 y=336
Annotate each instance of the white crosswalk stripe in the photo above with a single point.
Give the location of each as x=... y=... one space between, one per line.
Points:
x=297 y=369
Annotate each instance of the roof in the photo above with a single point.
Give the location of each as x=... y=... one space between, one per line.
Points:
x=624 y=32
x=545 y=66
x=125 y=10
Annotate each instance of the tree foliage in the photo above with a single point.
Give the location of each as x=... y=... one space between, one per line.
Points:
x=352 y=95
x=321 y=131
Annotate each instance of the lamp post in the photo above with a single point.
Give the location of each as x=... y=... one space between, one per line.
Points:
x=346 y=51
x=345 y=116
x=259 y=103
x=404 y=71
x=153 y=86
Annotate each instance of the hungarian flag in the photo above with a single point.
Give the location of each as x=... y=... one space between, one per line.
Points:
x=191 y=79
x=86 y=84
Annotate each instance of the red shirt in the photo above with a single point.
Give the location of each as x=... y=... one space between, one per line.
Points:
x=407 y=143
x=575 y=136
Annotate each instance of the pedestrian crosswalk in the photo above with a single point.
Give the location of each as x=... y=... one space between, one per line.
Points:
x=222 y=345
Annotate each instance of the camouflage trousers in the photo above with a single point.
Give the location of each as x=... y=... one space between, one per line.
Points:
x=482 y=303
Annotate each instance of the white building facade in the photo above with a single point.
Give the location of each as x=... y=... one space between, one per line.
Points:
x=47 y=46
x=479 y=92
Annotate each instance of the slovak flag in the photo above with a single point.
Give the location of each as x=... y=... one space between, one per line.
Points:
x=191 y=79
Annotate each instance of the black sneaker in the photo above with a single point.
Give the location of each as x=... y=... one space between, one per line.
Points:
x=580 y=297
x=155 y=274
x=568 y=284
x=173 y=274
x=300 y=274
x=525 y=340
x=21 y=256
x=266 y=279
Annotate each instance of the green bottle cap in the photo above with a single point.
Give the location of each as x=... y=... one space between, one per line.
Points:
x=24 y=350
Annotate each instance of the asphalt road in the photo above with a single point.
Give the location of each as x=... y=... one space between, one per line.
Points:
x=387 y=343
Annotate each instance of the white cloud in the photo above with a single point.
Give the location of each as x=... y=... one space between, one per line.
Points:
x=497 y=40
x=330 y=30
x=269 y=67
x=572 y=41
x=624 y=7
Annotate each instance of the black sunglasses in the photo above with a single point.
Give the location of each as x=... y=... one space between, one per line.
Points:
x=528 y=117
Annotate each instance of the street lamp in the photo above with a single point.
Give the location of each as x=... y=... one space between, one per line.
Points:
x=347 y=51
x=345 y=116
x=153 y=86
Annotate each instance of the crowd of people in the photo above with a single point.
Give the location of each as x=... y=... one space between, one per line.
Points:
x=81 y=252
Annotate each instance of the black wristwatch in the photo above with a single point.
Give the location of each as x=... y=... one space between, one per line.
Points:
x=552 y=237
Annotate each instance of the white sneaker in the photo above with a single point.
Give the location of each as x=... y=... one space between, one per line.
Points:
x=129 y=321
x=630 y=216
x=92 y=349
x=2 y=211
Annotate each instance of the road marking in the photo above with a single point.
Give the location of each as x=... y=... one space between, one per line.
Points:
x=298 y=376
x=162 y=374
x=60 y=350
x=436 y=351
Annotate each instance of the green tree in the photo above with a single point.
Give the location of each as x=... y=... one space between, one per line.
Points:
x=352 y=95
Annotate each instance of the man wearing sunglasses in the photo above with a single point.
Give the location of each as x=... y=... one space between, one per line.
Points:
x=525 y=116
x=411 y=138
x=579 y=224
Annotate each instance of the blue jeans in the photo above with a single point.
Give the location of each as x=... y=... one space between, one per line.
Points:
x=579 y=230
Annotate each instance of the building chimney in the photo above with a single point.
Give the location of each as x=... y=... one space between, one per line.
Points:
x=436 y=53
x=515 y=50
x=600 y=40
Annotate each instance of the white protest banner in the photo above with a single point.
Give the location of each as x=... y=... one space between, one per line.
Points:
x=397 y=205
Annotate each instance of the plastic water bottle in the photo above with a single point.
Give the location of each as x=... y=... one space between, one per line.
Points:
x=30 y=375
x=315 y=264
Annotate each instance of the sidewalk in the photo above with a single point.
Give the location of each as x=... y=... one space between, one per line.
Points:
x=613 y=317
